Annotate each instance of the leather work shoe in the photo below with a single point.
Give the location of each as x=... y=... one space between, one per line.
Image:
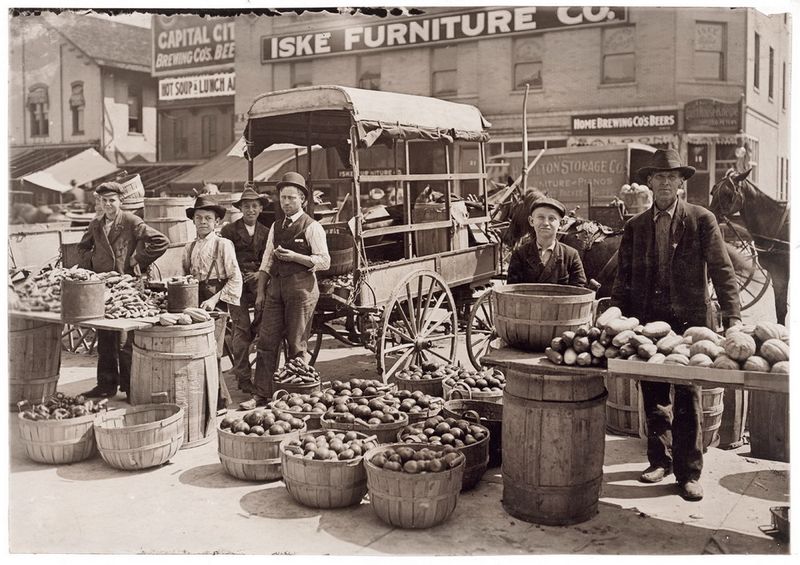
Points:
x=100 y=392
x=253 y=403
x=654 y=474
x=691 y=490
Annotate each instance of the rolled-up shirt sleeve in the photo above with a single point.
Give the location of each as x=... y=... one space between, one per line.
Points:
x=266 y=260
x=232 y=291
x=315 y=234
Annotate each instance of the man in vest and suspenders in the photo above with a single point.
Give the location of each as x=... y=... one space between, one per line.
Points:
x=287 y=286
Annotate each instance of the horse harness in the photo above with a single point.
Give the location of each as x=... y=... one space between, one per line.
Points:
x=771 y=244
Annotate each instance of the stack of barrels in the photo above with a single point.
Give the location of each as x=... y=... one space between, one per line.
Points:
x=168 y=215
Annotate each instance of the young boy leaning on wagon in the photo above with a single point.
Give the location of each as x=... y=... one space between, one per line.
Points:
x=211 y=259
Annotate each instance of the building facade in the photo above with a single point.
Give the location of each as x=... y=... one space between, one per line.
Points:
x=713 y=83
x=79 y=80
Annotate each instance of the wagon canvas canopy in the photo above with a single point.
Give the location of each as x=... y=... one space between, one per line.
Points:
x=323 y=115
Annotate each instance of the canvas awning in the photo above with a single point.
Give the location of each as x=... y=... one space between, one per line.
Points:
x=86 y=166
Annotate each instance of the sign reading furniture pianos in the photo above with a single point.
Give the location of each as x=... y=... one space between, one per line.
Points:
x=709 y=115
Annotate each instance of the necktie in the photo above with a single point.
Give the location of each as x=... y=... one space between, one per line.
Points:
x=662 y=246
x=545 y=255
x=287 y=221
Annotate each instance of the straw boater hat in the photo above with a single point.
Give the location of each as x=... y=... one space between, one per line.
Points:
x=205 y=203
x=665 y=160
x=249 y=194
x=550 y=203
x=293 y=179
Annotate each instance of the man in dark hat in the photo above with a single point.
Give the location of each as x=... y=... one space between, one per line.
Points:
x=664 y=256
x=287 y=286
x=249 y=239
x=119 y=241
x=211 y=259
x=544 y=259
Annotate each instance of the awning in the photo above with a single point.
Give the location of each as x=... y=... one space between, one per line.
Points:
x=84 y=167
x=26 y=159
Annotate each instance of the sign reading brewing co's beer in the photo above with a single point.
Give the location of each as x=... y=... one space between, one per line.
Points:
x=407 y=32
x=626 y=122
x=189 y=42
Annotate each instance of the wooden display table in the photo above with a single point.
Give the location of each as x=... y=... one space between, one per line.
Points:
x=117 y=325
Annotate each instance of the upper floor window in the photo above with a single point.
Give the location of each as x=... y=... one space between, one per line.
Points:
x=709 y=50
x=38 y=109
x=527 y=63
x=783 y=86
x=369 y=72
x=76 y=106
x=180 y=137
x=757 y=61
x=771 y=79
x=135 y=108
x=208 y=131
x=301 y=74
x=619 y=55
x=444 y=73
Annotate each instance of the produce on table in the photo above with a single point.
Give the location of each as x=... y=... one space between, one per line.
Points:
x=408 y=460
x=126 y=297
x=330 y=446
x=488 y=379
x=191 y=315
x=296 y=371
x=444 y=431
x=182 y=279
x=59 y=406
x=356 y=388
x=261 y=422
x=366 y=412
x=414 y=402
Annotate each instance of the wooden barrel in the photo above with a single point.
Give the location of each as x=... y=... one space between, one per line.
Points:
x=324 y=484
x=252 y=458
x=58 y=441
x=386 y=433
x=734 y=418
x=226 y=200
x=177 y=230
x=554 y=443
x=711 y=400
x=139 y=437
x=172 y=207
x=624 y=409
x=342 y=249
x=182 y=295
x=432 y=387
x=178 y=365
x=82 y=300
x=768 y=423
x=34 y=359
x=529 y=316
x=490 y=416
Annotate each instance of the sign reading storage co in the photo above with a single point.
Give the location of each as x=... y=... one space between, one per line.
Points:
x=189 y=42
x=470 y=24
x=197 y=86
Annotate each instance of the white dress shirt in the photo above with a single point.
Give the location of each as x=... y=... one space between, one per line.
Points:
x=315 y=235
x=199 y=264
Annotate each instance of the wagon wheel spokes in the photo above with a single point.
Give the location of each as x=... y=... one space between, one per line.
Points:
x=480 y=329
x=419 y=323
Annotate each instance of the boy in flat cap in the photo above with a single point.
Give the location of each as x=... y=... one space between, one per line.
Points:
x=119 y=241
x=544 y=259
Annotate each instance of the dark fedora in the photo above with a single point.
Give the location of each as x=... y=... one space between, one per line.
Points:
x=110 y=188
x=550 y=203
x=204 y=202
x=249 y=194
x=293 y=179
x=665 y=160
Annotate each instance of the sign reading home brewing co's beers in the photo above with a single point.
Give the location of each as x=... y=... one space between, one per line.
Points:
x=189 y=43
x=439 y=28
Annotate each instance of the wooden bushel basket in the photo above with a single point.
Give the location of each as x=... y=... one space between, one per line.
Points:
x=342 y=250
x=465 y=391
x=34 y=358
x=139 y=437
x=433 y=410
x=490 y=417
x=58 y=441
x=386 y=433
x=312 y=419
x=624 y=410
x=529 y=316
x=711 y=400
x=432 y=387
x=252 y=458
x=324 y=484
x=301 y=388
x=415 y=501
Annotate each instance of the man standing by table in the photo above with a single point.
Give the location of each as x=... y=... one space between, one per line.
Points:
x=287 y=286
x=249 y=239
x=665 y=256
x=117 y=241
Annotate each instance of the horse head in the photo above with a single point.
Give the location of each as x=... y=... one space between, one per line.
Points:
x=727 y=196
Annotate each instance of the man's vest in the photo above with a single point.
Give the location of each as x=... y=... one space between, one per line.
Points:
x=293 y=238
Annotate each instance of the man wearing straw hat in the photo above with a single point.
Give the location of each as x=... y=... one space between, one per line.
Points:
x=666 y=255
x=249 y=238
x=287 y=286
x=119 y=241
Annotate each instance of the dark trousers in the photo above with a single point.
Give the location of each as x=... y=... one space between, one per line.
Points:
x=287 y=314
x=114 y=356
x=240 y=339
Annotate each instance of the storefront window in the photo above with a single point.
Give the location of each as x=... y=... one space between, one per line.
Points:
x=527 y=63
x=77 y=104
x=134 y=108
x=38 y=109
x=709 y=50
x=619 y=57
x=444 y=74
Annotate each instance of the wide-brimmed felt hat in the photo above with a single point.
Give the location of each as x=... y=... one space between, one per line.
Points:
x=665 y=160
x=550 y=203
x=293 y=179
x=250 y=194
x=203 y=202
x=110 y=188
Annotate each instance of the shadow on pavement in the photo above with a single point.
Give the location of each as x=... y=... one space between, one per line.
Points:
x=668 y=487
x=95 y=469
x=212 y=476
x=275 y=503
x=766 y=484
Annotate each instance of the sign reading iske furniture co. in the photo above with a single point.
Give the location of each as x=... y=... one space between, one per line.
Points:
x=440 y=28
x=191 y=43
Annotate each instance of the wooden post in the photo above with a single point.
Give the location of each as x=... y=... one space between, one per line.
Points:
x=525 y=138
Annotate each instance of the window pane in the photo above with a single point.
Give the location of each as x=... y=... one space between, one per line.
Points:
x=708 y=36
x=530 y=73
x=445 y=58
x=708 y=65
x=444 y=82
x=619 y=68
x=619 y=40
x=528 y=49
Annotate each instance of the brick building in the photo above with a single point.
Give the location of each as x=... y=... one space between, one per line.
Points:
x=713 y=82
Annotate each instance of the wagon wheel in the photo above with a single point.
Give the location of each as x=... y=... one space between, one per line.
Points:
x=753 y=283
x=480 y=329
x=419 y=324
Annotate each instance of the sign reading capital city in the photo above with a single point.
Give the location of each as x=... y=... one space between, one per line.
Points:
x=189 y=43
x=441 y=28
